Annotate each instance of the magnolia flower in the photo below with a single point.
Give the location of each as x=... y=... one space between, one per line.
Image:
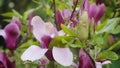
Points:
x=94 y=11
x=5 y=62
x=11 y=33
x=84 y=60
x=44 y=33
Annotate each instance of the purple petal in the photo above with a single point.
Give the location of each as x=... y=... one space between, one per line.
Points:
x=45 y=41
x=30 y=19
x=84 y=60
x=66 y=14
x=73 y=24
x=85 y=5
x=12 y=33
x=16 y=21
x=59 y=17
x=5 y=62
x=10 y=64
x=33 y=53
x=31 y=16
x=92 y=11
x=63 y=56
x=99 y=13
x=49 y=55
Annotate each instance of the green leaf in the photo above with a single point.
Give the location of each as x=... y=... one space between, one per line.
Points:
x=17 y=13
x=60 y=41
x=9 y=14
x=28 y=43
x=116 y=30
x=67 y=30
x=110 y=26
x=108 y=55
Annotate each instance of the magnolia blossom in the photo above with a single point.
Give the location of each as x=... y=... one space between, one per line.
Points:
x=94 y=11
x=11 y=33
x=44 y=33
x=5 y=62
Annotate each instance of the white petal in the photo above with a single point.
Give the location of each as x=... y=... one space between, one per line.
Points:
x=63 y=56
x=33 y=53
x=2 y=33
x=39 y=28
x=106 y=62
x=98 y=64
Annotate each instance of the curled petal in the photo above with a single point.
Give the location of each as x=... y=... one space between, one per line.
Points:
x=63 y=56
x=84 y=60
x=33 y=53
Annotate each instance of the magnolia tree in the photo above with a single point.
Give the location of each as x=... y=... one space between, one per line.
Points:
x=80 y=37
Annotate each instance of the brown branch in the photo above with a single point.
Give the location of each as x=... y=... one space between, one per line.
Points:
x=54 y=7
x=74 y=10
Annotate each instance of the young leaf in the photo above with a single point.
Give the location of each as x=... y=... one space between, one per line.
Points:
x=108 y=55
x=112 y=23
x=9 y=14
x=60 y=41
x=67 y=30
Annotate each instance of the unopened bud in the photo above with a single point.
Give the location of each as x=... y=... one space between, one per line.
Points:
x=82 y=26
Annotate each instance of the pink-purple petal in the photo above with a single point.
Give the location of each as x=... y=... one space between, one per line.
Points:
x=33 y=53
x=59 y=17
x=12 y=33
x=5 y=62
x=63 y=56
x=85 y=5
x=16 y=21
x=92 y=11
x=99 y=13
x=85 y=61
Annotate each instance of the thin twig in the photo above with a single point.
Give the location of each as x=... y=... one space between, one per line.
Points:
x=54 y=7
x=74 y=9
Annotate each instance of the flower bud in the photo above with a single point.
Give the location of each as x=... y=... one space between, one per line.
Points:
x=82 y=26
